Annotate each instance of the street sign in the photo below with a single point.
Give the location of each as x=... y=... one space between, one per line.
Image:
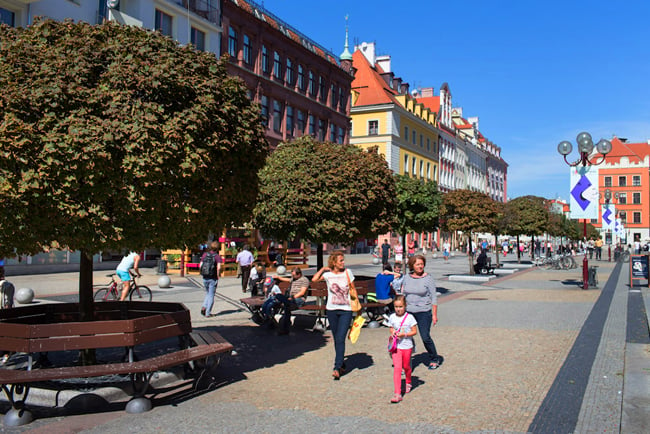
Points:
x=638 y=268
x=584 y=192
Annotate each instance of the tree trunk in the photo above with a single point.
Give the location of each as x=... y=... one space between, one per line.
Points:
x=496 y=248
x=469 y=254
x=518 y=251
x=86 y=306
x=532 y=248
x=319 y=256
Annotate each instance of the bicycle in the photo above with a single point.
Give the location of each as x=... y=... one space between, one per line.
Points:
x=114 y=290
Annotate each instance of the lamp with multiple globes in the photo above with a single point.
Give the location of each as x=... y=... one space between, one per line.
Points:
x=585 y=148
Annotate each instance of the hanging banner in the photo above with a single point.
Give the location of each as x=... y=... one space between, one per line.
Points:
x=584 y=192
x=608 y=216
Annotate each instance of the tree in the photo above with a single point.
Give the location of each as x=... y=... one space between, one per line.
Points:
x=115 y=137
x=324 y=192
x=527 y=215
x=469 y=211
x=418 y=205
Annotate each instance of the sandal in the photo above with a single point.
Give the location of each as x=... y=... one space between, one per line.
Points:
x=336 y=375
x=433 y=365
x=408 y=387
x=396 y=398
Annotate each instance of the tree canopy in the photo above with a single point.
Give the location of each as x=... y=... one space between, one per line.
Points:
x=418 y=204
x=116 y=137
x=527 y=215
x=324 y=192
x=469 y=211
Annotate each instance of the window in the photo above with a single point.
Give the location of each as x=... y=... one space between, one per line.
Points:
x=9 y=18
x=163 y=23
x=322 y=129
x=608 y=181
x=435 y=172
x=265 y=110
x=289 y=121
x=636 y=217
x=406 y=133
x=622 y=181
x=623 y=216
x=428 y=170
x=332 y=133
x=334 y=91
x=341 y=135
x=232 y=42
x=198 y=39
x=622 y=198
x=301 y=78
x=428 y=144
x=265 y=60
x=291 y=76
x=413 y=135
x=421 y=169
x=373 y=128
x=322 y=89
x=277 y=116
x=300 y=123
x=277 y=66
x=636 y=198
x=413 y=165
x=312 y=84
x=406 y=164
x=343 y=100
x=636 y=181
x=312 y=126
x=248 y=50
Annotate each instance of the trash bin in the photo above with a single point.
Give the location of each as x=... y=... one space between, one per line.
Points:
x=162 y=266
x=593 y=277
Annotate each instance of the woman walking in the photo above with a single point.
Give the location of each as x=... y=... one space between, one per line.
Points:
x=339 y=311
x=422 y=302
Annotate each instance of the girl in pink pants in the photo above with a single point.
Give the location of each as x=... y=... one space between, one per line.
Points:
x=402 y=327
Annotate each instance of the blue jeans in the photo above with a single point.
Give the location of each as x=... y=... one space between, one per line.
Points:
x=425 y=319
x=339 y=325
x=210 y=286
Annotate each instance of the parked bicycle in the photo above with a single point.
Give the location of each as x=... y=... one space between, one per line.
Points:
x=622 y=255
x=112 y=293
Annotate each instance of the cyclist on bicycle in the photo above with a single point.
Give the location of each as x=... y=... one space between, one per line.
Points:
x=129 y=261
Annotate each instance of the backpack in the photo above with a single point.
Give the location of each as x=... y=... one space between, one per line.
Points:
x=209 y=266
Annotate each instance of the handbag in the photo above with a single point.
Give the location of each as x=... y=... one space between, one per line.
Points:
x=355 y=305
x=355 y=330
x=392 y=340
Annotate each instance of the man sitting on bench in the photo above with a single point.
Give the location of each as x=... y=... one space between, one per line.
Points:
x=482 y=265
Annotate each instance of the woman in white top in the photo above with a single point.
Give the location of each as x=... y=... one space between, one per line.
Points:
x=339 y=311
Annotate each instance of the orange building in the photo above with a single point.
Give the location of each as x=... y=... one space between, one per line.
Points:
x=625 y=178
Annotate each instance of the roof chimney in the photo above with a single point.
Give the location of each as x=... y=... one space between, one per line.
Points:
x=426 y=92
x=384 y=62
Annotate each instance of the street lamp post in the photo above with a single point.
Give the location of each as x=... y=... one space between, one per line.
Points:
x=585 y=148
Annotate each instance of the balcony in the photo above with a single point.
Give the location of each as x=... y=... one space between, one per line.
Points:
x=207 y=9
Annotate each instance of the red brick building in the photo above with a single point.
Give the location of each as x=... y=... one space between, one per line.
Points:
x=301 y=88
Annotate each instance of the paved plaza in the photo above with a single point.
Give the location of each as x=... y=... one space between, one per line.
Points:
x=528 y=352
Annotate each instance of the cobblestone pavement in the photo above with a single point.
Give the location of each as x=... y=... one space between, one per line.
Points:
x=530 y=352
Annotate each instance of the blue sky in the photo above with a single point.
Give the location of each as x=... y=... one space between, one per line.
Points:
x=534 y=72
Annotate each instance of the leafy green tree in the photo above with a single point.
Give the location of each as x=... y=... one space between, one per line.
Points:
x=115 y=137
x=527 y=215
x=324 y=192
x=469 y=211
x=418 y=205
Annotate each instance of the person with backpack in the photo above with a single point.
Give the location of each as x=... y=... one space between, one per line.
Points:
x=210 y=267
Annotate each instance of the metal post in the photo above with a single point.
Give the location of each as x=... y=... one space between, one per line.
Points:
x=609 y=253
x=585 y=262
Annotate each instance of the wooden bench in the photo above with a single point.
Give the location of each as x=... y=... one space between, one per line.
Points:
x=41 y=329
x=317 y=307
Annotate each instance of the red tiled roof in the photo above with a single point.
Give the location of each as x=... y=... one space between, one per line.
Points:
x=431 y=102
x=636 y=152
x=368 y=83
